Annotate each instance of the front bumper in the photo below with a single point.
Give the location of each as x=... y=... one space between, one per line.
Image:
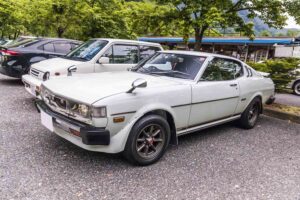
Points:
x=72 y=130
x=32 y=85
x=12 y=71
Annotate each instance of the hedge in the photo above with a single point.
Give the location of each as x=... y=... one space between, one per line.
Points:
x=282 y=71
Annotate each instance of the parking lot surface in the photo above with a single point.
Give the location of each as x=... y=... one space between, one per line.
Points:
x=288 y=99
x=225 y=162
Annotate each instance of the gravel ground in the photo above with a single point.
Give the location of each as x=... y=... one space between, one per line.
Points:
x=219 y=163
x=288 y=99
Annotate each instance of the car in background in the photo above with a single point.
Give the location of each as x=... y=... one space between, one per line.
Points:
x=16 y=58
x=95 y=55
x=4 y=42
x=295 y=84
x=19 y=41
x=140 y=112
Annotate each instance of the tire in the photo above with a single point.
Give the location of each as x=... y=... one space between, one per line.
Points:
x=251 y=114
x=148 y=140
x=296 y=88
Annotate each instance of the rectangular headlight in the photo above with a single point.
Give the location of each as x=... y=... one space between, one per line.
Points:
x=99 y=112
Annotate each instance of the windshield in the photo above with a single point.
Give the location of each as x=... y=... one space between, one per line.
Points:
x=173 y=65
x=87 y=50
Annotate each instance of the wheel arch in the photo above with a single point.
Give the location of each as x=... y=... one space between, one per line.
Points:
x=295 y=82
x=260 y=97
x=170 y=119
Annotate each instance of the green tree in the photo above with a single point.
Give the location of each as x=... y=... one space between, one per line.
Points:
x=293 y=33
x=204 y=14
x=11 y=18
x=265 y=33
x=293 y=8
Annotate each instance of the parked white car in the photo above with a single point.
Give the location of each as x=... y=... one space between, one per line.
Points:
x=295 y=84
x=140 y=112
x=95 y=55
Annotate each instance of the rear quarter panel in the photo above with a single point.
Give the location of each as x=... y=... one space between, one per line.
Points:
x=250 y=87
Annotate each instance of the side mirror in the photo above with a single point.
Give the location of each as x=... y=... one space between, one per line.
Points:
x=72 y=69
x=103 y=60
x=138 y=83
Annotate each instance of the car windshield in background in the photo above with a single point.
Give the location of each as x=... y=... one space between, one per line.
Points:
x=173 y=65
x=21 y=43
x=87 y=50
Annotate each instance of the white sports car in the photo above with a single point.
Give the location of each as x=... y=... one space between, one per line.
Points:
x=140 y=112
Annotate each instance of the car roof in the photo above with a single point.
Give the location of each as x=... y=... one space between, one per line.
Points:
x=56 y=39
x=128 y=41
x=198 y=53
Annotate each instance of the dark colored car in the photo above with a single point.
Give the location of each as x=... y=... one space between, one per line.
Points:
x=16 y=59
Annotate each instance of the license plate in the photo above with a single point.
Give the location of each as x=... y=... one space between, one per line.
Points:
x=47 y=121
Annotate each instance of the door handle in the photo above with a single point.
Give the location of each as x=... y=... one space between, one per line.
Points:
x=233 y=85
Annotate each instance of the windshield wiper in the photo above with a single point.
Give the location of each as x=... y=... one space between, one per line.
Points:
x=179 y=72
x=172 y=73
x=76 y=58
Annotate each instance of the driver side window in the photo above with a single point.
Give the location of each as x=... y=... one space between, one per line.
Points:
x=220 y=69
x=122 y=54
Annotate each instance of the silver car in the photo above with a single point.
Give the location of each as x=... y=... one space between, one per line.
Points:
x=295 y=84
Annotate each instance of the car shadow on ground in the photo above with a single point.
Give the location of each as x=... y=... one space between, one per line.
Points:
x=11 y=82
x=84 y=157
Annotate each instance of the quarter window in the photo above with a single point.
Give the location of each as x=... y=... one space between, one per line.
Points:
x=220 y=69
x=49 y=47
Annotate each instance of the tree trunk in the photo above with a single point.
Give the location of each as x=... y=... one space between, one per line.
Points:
x=199 y=33
x=60 y=31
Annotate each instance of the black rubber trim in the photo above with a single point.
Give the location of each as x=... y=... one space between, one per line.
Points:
x=175 y=106
x=90 y=135
x=124 y=113
x=94 y=136
x=207 y=122
x=270 y=100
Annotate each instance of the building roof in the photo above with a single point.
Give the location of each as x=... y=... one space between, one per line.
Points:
x=222 y=40
x=196 y=53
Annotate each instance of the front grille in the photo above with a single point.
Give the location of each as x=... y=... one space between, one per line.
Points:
x=63 y=106
x=34 y=72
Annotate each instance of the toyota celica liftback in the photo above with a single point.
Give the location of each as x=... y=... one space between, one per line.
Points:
x=140 y=112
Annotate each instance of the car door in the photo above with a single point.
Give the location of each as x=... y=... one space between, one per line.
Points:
x=49 y=50
x=121 y=57
x=216 y=95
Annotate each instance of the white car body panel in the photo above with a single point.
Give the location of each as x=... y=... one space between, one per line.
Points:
x=193 y=104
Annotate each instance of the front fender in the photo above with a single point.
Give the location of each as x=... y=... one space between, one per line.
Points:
x=119 y=140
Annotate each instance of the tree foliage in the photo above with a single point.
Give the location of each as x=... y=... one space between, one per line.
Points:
x=83 y=19
x=282 y=70
x=204 y=14
x=293 y=8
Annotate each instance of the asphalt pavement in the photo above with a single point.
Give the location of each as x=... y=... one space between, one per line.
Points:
x=224 y=162
x=288 y=99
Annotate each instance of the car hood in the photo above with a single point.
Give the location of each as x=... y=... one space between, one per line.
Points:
x=55 y=65
x=89 y=88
